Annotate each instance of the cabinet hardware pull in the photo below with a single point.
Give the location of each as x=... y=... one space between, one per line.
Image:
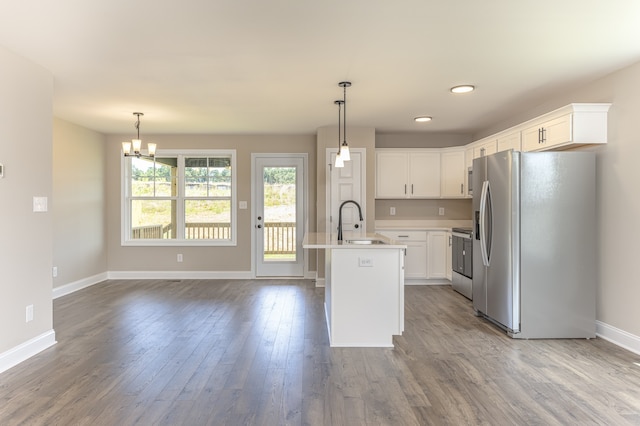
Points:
x=405 y=188
x=540 y=135
x=544 y=135
x=411 y=189
x=462 y=188
x=403 y=236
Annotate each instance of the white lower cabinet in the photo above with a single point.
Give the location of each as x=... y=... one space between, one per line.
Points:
x=415 y=265
x=437 y=254
x=415 y=262
x=428 y=255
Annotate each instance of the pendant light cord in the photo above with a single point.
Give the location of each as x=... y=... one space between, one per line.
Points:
x=344 y=112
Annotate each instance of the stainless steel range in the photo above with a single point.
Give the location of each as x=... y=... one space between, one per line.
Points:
x=461 y=261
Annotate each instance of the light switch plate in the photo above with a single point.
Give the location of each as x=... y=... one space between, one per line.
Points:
x=242 y=204
x=40 y=204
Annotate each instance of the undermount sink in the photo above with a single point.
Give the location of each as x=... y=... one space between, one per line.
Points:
x=365 y=241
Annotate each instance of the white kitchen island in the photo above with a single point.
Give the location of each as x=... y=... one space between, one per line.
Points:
x=364 y=289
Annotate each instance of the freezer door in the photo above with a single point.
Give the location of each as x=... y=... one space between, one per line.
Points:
x=502 y=284
x=479 y=270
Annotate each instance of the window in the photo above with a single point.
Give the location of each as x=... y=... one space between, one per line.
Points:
x=179 y=198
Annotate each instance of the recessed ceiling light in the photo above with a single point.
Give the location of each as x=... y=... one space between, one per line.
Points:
x=465 y=88
x=422 y=119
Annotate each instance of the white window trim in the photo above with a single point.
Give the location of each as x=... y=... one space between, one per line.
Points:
x=125 y=217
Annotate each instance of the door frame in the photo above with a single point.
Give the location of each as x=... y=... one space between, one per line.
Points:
x=305 y=206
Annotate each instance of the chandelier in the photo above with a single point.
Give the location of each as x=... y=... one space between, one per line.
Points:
x=136 y=144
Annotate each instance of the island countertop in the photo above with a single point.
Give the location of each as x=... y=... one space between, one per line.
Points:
x=324 y=240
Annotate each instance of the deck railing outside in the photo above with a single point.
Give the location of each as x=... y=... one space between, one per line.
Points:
x=279 y=237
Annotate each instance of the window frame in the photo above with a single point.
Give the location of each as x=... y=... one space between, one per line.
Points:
x=180 y=155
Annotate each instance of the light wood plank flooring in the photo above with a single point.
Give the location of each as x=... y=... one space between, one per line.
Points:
x=198 y=352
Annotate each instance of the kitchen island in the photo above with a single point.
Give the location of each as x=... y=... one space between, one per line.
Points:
x=364 y=288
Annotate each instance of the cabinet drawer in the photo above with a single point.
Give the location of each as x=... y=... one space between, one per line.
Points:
x=404 y=235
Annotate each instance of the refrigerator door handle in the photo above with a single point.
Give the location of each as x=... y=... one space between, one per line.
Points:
x=483 y=214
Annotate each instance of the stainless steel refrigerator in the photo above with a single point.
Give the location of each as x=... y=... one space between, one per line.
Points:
x=535 y=243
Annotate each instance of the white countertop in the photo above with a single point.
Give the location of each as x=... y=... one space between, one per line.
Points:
x=323 y=240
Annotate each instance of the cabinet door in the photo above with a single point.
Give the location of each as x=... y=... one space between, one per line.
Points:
x=548 y=134
x=452 y=174
x=424 y=175
x=436 y=254
x=391 y=175
x=511 y=141
x=487 y=148
x=558 y=131
x=468 y=157
x=415 y=263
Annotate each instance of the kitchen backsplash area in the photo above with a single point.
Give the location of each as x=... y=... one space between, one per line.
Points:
x=423 y=209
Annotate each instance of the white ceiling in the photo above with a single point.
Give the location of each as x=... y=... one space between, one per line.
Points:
x=273 y=66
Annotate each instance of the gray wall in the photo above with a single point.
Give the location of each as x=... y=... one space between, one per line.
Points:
x=79 y=219
x=235 y=259
x=26 y=237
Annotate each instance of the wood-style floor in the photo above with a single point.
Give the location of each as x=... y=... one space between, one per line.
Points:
x=197 y=352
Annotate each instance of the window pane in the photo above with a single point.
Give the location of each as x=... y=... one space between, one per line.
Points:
x=153 y=178
x=152 y=219
x=219 y=177
x=195 y=177
x=208 y=177
x=207 y=219
x=165 y=179
x=279 y=188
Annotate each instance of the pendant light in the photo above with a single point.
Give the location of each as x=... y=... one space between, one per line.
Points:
x=136 y=144
x=344 y=148
x=339 y=158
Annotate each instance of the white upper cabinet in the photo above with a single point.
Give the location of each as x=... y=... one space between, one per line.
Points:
x=407 y=174
x=567 y=127
x=486 y=147
x=509 y=141
x=392 y=174
x=453 y=173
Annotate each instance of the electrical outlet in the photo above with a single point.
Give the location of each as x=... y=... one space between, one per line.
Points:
x=54 y=272
x=441 y=211
x=392 y=211
x=365 y=262
x=29 y=313
x=179 y=257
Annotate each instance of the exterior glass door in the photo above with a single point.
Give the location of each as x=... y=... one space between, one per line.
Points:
x=279 y=220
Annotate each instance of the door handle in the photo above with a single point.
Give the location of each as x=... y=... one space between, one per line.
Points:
x=483 y=213
x=258 y=226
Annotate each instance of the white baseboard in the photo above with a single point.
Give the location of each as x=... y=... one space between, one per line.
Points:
x=432 y=281
x=618 y=337
x=26 y=350
x=180 y=275
x=79 y=285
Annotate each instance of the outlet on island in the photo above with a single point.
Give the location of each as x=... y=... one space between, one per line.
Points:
x=179 y=257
